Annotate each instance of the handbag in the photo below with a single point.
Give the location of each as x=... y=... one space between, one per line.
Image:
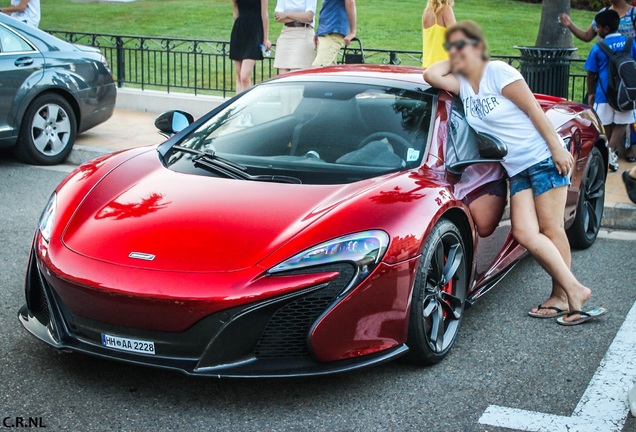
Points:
x=352 y=55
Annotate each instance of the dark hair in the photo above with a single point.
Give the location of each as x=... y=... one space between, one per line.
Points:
x=471 y=30
x=608 y=18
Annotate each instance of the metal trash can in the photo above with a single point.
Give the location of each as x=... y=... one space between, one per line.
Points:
x=547 y=70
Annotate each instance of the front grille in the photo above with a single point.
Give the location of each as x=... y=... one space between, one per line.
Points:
x=37 y=300
x=287 y=330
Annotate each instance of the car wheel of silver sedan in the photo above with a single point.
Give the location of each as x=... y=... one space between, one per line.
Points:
x=48 y=131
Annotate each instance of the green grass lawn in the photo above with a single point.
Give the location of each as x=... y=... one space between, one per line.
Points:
x=382 y=23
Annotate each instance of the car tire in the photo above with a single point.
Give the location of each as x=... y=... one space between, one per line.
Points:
x=437 y=306
x=589 y=211
x=47 y=132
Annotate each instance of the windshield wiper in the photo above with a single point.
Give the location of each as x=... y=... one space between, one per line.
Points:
x=210 y=161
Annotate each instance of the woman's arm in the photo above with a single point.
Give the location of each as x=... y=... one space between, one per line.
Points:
x=285 y=17
x=448 y=16
x=19 y=8
x=519 y=93
x=352 y=15
x=265 y=18
x=235 y=12
x=441 y=76
x=584 y=35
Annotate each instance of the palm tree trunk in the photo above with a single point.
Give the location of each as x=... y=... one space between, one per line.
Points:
x=551 y=33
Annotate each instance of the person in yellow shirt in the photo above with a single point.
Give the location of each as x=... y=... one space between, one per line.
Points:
x=438 y=15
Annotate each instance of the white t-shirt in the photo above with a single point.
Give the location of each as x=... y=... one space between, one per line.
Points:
x=297 y=6
x=489 y=111
x=31 y=14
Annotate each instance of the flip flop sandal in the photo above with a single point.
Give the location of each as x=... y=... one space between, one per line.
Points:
x=585 y=316
x=557 y=312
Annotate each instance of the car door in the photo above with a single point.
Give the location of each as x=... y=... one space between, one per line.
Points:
x=19 y=63
x=479 y=175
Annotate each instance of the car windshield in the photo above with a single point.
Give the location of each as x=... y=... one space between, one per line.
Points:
x=316 y=132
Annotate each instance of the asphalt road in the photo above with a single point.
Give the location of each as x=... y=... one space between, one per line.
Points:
x=501 y=358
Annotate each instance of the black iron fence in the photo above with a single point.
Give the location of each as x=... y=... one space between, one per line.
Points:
x=204 y=67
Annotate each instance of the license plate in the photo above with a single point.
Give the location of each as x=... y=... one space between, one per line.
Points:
x=125 y=344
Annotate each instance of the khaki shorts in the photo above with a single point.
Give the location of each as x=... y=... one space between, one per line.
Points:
x=328 y=48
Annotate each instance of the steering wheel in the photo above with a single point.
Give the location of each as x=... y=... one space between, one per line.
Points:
x=393 y=138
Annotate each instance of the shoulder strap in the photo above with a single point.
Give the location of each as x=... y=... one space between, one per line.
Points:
x=628 y=45
x=606 y=49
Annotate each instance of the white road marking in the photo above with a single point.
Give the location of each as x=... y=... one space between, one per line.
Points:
x=604 y=405
x=617 y=235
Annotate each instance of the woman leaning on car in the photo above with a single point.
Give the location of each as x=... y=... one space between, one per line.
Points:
x=498 y=101
x=295 y=46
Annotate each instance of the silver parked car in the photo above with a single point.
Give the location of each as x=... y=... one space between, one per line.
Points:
x=50 y=91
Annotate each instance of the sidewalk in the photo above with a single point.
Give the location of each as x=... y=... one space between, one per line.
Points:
x=127 y=129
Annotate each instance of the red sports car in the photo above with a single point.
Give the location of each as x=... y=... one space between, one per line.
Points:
x=318 y=223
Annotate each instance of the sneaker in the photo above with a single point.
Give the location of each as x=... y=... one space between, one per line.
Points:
x=613 y=161
x=630 y=185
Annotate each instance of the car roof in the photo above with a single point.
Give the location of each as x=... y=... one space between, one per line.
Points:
x=408 y=74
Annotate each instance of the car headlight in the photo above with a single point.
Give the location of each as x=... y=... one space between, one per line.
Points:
x=364 y=250
x=47 y=218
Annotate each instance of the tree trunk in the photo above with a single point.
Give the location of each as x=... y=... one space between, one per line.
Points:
x=551 y=33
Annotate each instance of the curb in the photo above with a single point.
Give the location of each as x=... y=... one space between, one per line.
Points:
x=82 y=154
x=156 y=102
x=617 y=216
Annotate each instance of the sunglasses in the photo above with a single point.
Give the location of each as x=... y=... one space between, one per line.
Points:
x=460 y=44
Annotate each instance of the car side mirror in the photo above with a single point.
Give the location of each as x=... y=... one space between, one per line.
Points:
x=173 y=122
x=491 y=147
x=473 y=148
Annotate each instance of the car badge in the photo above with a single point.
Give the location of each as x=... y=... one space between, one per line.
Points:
x=141 y=256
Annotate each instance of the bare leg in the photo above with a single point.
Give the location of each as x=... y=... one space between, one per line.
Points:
x=246 y=74
x=609 y=129
x=526 y=230
x=283 y=71
x=487 y=211
x=617 y=137
x=237 y=70
x=551 y=224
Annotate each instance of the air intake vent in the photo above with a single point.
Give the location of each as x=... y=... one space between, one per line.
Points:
x=286 y=332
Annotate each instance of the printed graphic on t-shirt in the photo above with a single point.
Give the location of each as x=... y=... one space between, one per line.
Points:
x=481 y=107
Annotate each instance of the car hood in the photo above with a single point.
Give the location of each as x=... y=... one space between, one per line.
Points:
x=145 y=215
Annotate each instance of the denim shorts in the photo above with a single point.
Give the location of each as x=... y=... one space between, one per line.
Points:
x=540 y=177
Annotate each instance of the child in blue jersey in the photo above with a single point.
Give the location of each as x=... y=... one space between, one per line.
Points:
x=598 y=69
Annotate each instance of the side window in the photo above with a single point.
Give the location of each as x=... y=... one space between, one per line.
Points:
x=12 y=43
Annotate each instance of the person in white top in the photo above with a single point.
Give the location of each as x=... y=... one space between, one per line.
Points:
x=295 y=46
x=498 y=101
x=27 y=11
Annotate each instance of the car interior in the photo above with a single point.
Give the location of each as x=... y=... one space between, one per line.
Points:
x=324 y=123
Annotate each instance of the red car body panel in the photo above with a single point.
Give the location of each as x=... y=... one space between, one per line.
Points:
x=215 y=239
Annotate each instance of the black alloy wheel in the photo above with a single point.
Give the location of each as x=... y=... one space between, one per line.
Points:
x=589 y=212
x=439 y=294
